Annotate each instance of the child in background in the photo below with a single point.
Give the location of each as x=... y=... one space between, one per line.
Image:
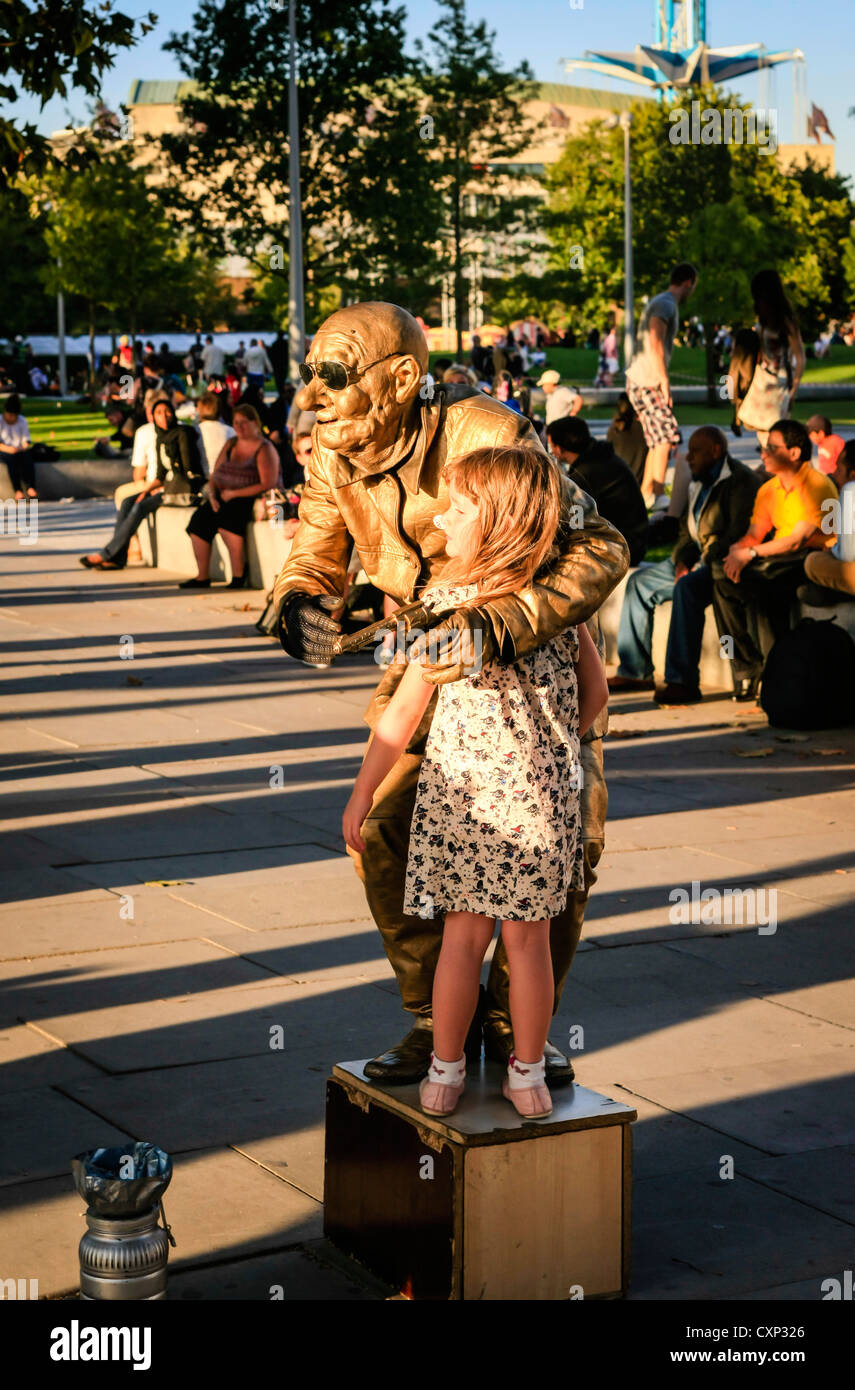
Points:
x=496 y=827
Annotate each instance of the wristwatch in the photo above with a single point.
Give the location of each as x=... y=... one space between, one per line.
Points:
x=753 y=551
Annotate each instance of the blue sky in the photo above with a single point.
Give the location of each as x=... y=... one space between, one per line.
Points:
x=547 y=31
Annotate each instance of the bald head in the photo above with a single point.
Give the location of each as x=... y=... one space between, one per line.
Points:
x=376 y=328
x=384 y=351
x=707 y=447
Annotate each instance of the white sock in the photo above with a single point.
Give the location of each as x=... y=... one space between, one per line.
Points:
x=446 y=1073
x=522 y=1076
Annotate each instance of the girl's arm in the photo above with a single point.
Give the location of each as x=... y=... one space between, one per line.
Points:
x=396 y=726
x=591 y=678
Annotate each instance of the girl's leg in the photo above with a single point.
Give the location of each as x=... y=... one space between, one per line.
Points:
x=465 y=938
x=532 y=988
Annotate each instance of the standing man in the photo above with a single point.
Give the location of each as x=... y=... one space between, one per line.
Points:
x=560 y=400
x=258 y=364
x=213 y=361
x=279 y=359
x=375 y=480
x=647 y=381
x=763 y=568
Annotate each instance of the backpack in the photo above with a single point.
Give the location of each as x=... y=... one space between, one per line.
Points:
x=809 y=677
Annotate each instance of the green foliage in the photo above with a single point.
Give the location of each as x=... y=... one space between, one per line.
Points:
x=366 y=186
x=477 y=128
x=729 y=207
x=47 y=51
x=25 y=307
x=111 y=244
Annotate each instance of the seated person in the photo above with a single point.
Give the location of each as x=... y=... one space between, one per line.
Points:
x=831 y=573
x=828 y=445
x=763 y=568
x=213 y=431
x=627 y=437
x=177 y=461
x=718 y=508
x=121 y=417
x=596 y=468
x=16 y=448
x=248 y=465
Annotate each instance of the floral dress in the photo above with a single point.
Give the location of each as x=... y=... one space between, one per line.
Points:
x=496 y=825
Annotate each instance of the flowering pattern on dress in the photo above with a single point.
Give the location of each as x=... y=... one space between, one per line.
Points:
x=496 y=824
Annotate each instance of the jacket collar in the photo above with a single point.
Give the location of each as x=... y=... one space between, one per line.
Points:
x=695 y=485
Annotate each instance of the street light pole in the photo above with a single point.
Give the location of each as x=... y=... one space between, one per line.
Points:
x=296 y=302
x=60 y=333
x=629 y=289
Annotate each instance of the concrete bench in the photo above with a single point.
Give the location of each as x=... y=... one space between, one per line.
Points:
x=77 y=478
x=715 y=669
x=165 y=544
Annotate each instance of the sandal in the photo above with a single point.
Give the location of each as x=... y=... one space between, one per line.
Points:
x=531 y=1099
x=443 y=1086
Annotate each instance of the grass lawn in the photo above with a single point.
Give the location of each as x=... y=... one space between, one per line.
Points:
x=70 y=428
x=73 y=429
x=578 y=366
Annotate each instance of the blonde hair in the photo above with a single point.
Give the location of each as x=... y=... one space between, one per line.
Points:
x=522 y=509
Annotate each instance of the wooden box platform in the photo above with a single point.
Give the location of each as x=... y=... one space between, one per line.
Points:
x=485 y=1204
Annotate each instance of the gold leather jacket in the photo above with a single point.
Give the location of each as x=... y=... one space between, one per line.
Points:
x=389 y=515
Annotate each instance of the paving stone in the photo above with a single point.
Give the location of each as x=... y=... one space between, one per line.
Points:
x=823 y=1178
x=698 y=1237
x=293 y=1276
x=29 y=1060
x=220 y=1206
x=101 y=925
x=43 y=1130
x=800 y=1104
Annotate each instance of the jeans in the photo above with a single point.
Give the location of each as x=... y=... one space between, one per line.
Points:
x=649 y=586
x=132 y=513
x=22 y=473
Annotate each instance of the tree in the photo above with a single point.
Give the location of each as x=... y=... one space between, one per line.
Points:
x=44 y=52
x=795 y=220
x=722 y=240
x=25 y=306
x=366 y=187
x=475 y=125
x=111 y=243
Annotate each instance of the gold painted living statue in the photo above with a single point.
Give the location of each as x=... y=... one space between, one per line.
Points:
x=382 y=436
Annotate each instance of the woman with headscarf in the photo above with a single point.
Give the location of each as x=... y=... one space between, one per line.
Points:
x=248 y=466
x=178 y=480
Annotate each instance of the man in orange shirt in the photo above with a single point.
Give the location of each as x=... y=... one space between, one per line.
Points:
x=828 y=445
x=763 y=569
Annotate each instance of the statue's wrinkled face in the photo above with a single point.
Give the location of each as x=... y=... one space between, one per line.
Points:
x=366 y=413
x=363 y=420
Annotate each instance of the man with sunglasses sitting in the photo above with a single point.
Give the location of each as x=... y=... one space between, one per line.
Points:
x=383 y=433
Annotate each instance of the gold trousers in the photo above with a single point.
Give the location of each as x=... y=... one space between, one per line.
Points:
x=412 y=943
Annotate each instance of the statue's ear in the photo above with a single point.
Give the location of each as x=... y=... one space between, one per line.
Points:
x=408 y=377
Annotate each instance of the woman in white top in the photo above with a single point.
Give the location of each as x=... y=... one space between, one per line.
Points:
x=16 y=448
x=213 y=430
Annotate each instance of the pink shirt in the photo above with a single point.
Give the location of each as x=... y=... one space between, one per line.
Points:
x=829 y=451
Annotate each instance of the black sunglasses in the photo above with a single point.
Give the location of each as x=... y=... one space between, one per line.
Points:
x=336 y=375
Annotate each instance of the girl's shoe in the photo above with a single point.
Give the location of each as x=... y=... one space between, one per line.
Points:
x=195 y=583
x=238 y=581
x=443 y=1086
x=526 y=1089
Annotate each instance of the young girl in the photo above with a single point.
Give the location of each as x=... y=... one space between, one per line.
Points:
x=496 y=827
